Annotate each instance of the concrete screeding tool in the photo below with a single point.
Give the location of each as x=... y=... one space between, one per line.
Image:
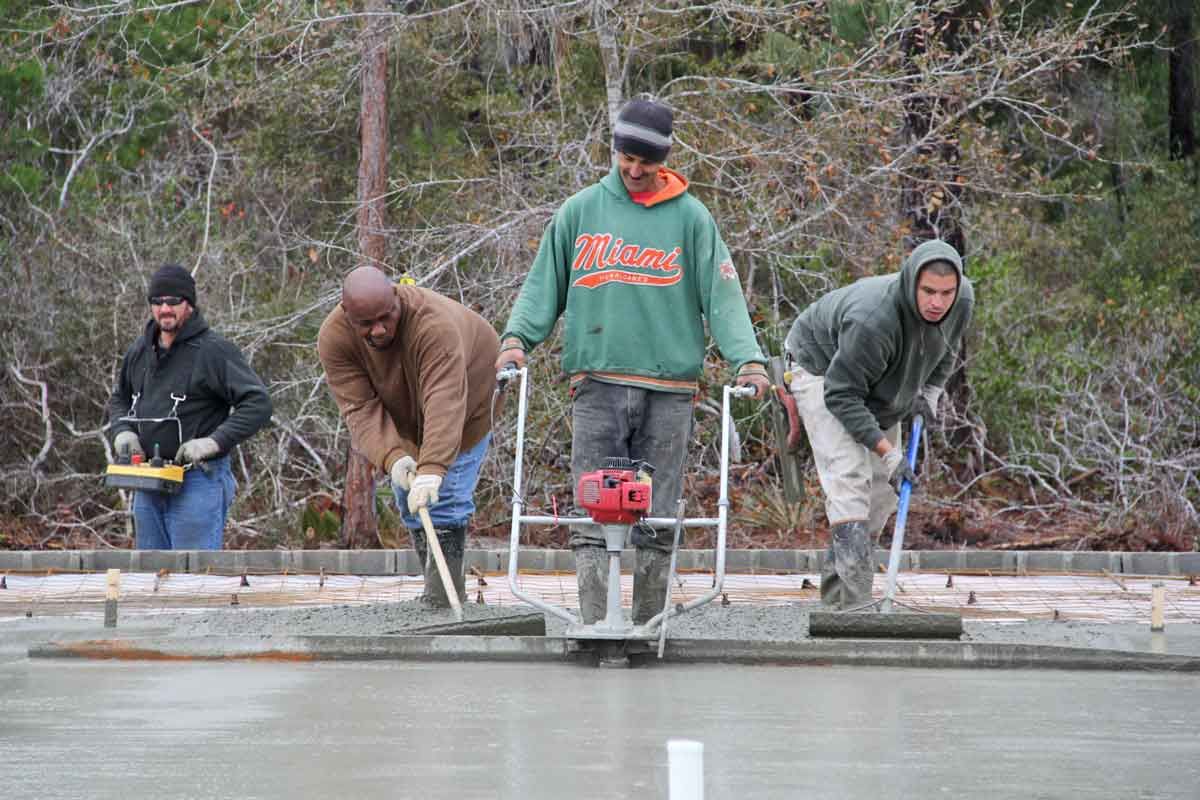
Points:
x=435 y=550
x=618 y=497
x=859 y=623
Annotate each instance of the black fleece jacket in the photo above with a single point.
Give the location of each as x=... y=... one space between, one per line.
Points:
x=223 y=397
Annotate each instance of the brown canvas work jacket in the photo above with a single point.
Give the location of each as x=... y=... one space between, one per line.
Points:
x=428 y=394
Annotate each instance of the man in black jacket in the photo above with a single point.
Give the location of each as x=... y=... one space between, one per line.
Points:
x=188 y=395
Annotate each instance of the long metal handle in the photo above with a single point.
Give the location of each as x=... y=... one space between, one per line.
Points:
x=901 y=517
x=439 y=558
x=722 y=511
x=662 y=631
x=514 y=540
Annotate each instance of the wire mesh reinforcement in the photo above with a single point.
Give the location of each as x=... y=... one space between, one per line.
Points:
x=994 y=597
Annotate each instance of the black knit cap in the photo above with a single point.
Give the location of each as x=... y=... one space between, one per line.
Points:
x=172 y=279
x=644 y=129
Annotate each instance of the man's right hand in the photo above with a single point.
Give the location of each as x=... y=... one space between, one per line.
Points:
x=898 y=469
x=402 y=472
x=127 y=444
x=510 y=357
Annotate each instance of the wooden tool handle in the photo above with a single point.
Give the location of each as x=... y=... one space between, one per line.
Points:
x=435 y=547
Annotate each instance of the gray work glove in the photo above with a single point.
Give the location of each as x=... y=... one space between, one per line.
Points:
x=898 y=469
x=127 y=443
x=195 y=450
x=926 y=403
x=424 y=492
x=402 y=472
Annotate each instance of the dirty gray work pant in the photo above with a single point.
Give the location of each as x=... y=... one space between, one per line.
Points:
x=853 y=478
x=858 y=498
x=614 y=420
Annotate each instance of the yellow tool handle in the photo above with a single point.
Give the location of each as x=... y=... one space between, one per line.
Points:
x=435 y=547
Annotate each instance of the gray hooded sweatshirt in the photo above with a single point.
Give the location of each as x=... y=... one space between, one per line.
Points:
x=874 y=348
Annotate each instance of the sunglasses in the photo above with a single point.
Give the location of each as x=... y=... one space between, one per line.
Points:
x=166 y=300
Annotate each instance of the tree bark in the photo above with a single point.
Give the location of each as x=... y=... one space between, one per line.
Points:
x=931 y=199
x=1181 y=102
x=373 y=127
x=360 y=527
x=604 y=17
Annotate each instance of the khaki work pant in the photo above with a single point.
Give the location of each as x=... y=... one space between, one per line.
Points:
x=853 y=477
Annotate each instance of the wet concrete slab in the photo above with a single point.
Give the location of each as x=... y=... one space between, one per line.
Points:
x=416 y=730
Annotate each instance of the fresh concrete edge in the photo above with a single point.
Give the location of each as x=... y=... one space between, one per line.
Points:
x=843 y=652
x=404 y=562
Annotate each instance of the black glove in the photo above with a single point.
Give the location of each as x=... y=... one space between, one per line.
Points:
x=899 y=470
x=926 y=403
x=921 y=406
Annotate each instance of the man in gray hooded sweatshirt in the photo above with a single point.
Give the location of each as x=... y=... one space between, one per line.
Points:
x=862 y=358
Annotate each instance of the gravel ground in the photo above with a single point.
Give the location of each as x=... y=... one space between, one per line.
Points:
x=734 y=622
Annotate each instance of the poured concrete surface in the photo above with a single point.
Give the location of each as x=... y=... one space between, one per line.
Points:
x=240 y=730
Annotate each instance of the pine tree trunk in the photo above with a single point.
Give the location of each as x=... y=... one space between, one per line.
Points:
x=360 y=527
x=1181 y=103
x=931 y=199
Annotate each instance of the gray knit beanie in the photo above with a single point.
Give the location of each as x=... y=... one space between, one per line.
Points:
x=644 y=129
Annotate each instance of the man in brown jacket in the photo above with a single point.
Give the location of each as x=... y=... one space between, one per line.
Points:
x=413 y=374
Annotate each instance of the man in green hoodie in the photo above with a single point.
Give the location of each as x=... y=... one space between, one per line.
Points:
x=863 y=357
x=637 y=265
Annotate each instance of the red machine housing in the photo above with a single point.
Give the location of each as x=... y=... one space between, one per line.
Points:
x=614 y=495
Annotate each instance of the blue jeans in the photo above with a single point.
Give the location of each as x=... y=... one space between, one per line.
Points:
x=614 y=420
x=193 y=519
x=456 y=496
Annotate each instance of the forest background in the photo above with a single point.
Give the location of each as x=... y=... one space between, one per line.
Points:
x=272 y=146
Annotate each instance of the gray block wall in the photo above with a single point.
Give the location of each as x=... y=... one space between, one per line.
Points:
x=395 y=562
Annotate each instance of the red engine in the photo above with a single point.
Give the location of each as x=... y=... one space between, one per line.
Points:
x=617 y=493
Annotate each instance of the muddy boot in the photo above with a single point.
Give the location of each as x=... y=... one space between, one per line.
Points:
x=453 y=542
x=591 y=573
x=650 y=576
x=831 y=583
x=852 y=563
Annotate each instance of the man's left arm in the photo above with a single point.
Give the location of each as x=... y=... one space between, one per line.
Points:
x=724 y=307
x=245 y=392
x=442 y=362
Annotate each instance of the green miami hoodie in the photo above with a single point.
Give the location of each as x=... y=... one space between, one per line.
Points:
x=874 y=348
x=635 y=283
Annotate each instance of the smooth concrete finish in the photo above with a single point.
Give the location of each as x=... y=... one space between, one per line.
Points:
x=117 y=730
x=539 y=648
x=404 y=562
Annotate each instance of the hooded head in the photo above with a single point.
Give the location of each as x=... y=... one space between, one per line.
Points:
x=930 y=280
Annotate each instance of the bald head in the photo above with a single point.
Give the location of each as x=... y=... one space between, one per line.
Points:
x=371 y=306
x=366 y=284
